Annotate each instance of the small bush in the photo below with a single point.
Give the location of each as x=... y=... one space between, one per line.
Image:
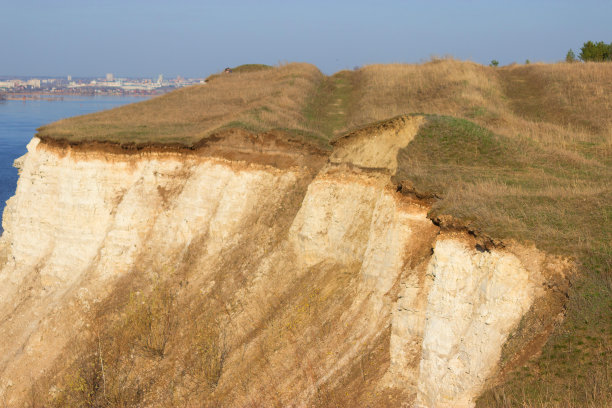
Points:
x=151 y=320
x=104 y=371
x=98 y=378
x=211 y=352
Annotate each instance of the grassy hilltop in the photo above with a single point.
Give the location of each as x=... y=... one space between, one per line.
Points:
x=520 y=152
x=257 y=100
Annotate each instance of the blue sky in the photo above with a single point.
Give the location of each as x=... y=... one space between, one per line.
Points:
x=196 y=38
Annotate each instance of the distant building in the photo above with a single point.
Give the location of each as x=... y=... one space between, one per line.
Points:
x=160 y=79
x=110 y=77
x=33 y=83
x=69 y=78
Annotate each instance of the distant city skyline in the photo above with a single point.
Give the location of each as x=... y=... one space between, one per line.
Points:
x=12 y=88
x=87 y=77
x=193 y=38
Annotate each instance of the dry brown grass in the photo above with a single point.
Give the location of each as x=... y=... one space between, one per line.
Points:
x=257 y=100
x=447 y=87
x=559 y=104
x=568 y=95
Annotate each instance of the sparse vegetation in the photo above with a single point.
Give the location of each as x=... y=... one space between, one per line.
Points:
x=152 y=320
x=128 y=347
x=104 y=372
x=211 y=349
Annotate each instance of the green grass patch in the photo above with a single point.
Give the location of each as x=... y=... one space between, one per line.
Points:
x=251 y=68
x=510 y=188
x=242 y=69
x=328 y=108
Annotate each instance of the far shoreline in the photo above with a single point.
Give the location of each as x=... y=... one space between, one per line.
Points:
x=58 y=96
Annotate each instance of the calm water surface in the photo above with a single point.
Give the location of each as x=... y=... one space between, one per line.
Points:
x=20 y=119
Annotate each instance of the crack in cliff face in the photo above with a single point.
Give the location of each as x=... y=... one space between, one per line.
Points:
x=455 y=309
x=274 y=220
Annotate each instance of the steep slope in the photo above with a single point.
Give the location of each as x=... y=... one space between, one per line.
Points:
x=359 y=266
x=104 y=211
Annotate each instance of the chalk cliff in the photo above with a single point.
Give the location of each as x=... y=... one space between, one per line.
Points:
x=292 y=223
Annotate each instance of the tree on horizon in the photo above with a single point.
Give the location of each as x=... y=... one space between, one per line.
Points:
x=597 y=52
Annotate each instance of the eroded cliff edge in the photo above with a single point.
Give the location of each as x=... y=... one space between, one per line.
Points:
x=320 y=263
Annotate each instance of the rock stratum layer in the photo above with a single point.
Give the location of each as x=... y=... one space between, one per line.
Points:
x=319 y=258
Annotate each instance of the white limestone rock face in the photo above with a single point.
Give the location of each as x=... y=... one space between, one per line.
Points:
x=358 y=220
x=334 y=220
x=70 y=214
x=400 y=234
x=475 y=300
x=79 y=220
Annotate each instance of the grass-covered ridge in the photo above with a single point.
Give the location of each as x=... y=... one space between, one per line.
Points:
x=241 y=69
x=510 y=187
x=516 y=188
x=256 y=99
x=566 y=105
x=295 y=98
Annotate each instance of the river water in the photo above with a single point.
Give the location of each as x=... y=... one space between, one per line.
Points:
x=20 y=119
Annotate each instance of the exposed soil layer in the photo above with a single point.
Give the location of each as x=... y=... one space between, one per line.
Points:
x=273 y=148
